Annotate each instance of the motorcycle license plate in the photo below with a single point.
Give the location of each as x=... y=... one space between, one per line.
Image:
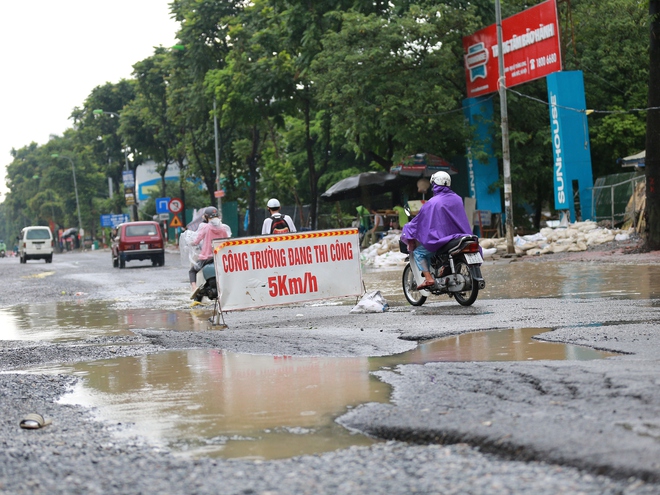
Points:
x=473 y=258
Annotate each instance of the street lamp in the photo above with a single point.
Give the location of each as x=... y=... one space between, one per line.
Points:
x=75 y=187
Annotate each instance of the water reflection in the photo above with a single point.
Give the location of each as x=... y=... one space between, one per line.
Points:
x=219 y=403
x=59 y=321
x=67 y=321
x=506 y=280
x=515 y=344
x=233 y=405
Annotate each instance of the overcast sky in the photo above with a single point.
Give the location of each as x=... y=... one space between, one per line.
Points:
x=54 y=52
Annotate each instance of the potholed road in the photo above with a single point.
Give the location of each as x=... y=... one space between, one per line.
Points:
x=456 y=427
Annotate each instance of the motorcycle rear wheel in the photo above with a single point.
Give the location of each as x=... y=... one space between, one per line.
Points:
x=413 y=296
x=466 y=298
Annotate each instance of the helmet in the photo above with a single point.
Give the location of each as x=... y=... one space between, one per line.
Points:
x=211 y=211
x=441 y=179
x=273 y=203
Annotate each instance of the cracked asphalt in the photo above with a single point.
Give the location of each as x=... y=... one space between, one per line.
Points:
x=468 y=427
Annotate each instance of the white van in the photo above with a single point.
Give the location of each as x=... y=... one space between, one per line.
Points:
x=36 y=243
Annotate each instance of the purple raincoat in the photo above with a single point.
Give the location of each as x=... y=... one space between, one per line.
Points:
x=441 y=219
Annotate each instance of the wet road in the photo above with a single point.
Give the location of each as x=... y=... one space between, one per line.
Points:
x=560 y=412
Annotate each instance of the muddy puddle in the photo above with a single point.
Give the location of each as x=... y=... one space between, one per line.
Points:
x=65 y=321
x=69 y=321
x=219 y=403
x=506 y=280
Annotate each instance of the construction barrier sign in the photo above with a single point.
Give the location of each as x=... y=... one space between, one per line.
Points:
x=269 y=270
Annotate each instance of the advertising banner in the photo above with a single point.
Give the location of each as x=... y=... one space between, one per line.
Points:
x=570 y=144
x=483 y=173
x=269 y=270
x=530 y=41
x=112 y=220
x=127 y=178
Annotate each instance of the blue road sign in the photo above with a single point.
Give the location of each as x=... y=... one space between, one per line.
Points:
x=162 y=205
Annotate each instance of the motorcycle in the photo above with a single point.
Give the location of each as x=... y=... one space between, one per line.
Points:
x=2 y=253
x=206 y=279
x=456 y=268
x=206 y=284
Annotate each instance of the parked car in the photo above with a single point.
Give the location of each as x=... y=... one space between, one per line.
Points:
x=138 y=241
x=36 y=243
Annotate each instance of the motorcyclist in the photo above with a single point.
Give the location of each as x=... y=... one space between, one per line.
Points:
x=212 y=228
x=440 y=220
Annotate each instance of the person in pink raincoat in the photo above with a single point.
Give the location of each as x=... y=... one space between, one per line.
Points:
x=211 y=229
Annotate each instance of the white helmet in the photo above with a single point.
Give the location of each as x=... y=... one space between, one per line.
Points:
x=441 y=179
x=273 y=203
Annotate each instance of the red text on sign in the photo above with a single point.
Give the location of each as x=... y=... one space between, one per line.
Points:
x=281 y=285
x=340 y=251
x=234 y=262
x=268 y=258
x=300 y=255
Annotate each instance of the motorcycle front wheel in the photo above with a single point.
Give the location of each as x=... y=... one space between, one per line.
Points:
x=413 y=296
x=466 y=298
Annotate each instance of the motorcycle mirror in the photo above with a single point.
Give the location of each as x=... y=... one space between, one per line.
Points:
x=407 y=210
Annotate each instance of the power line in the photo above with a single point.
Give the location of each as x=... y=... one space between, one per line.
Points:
x=581 y=110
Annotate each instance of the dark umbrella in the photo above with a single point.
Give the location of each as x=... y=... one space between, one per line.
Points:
x=367 y=182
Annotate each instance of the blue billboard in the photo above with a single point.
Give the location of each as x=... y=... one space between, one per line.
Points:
x=571 y=150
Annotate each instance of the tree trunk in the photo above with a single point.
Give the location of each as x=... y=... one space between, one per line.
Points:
x=652 y=165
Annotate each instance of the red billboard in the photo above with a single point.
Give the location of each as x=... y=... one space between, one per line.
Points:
x=530 y=41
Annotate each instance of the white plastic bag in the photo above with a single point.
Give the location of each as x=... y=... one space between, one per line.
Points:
x=371 y=302
x=189 y=253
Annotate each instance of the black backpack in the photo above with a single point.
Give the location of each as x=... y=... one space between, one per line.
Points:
x=279 y=225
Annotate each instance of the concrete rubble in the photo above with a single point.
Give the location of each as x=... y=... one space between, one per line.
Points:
x=575 y=237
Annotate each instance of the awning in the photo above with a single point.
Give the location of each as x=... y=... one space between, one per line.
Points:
x=637 y=160
x=423 y=165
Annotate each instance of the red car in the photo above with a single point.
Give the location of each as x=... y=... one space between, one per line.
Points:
x=138 y=241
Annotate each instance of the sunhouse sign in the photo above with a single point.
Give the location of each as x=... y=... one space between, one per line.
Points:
x=530 y=41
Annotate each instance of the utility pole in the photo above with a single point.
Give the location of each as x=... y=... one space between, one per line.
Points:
x=217 y=160
x=506 y=158
x=652 y=160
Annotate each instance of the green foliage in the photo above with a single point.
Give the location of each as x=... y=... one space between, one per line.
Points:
x=393 y=82
x=612 y=51
x=308 y=93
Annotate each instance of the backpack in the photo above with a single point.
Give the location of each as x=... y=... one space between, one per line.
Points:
x=279 y=225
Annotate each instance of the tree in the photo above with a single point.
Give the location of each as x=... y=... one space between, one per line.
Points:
x=101 y=132
x=204 y=45
x=611 y=50
x=253 y=89
x=395 y=82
